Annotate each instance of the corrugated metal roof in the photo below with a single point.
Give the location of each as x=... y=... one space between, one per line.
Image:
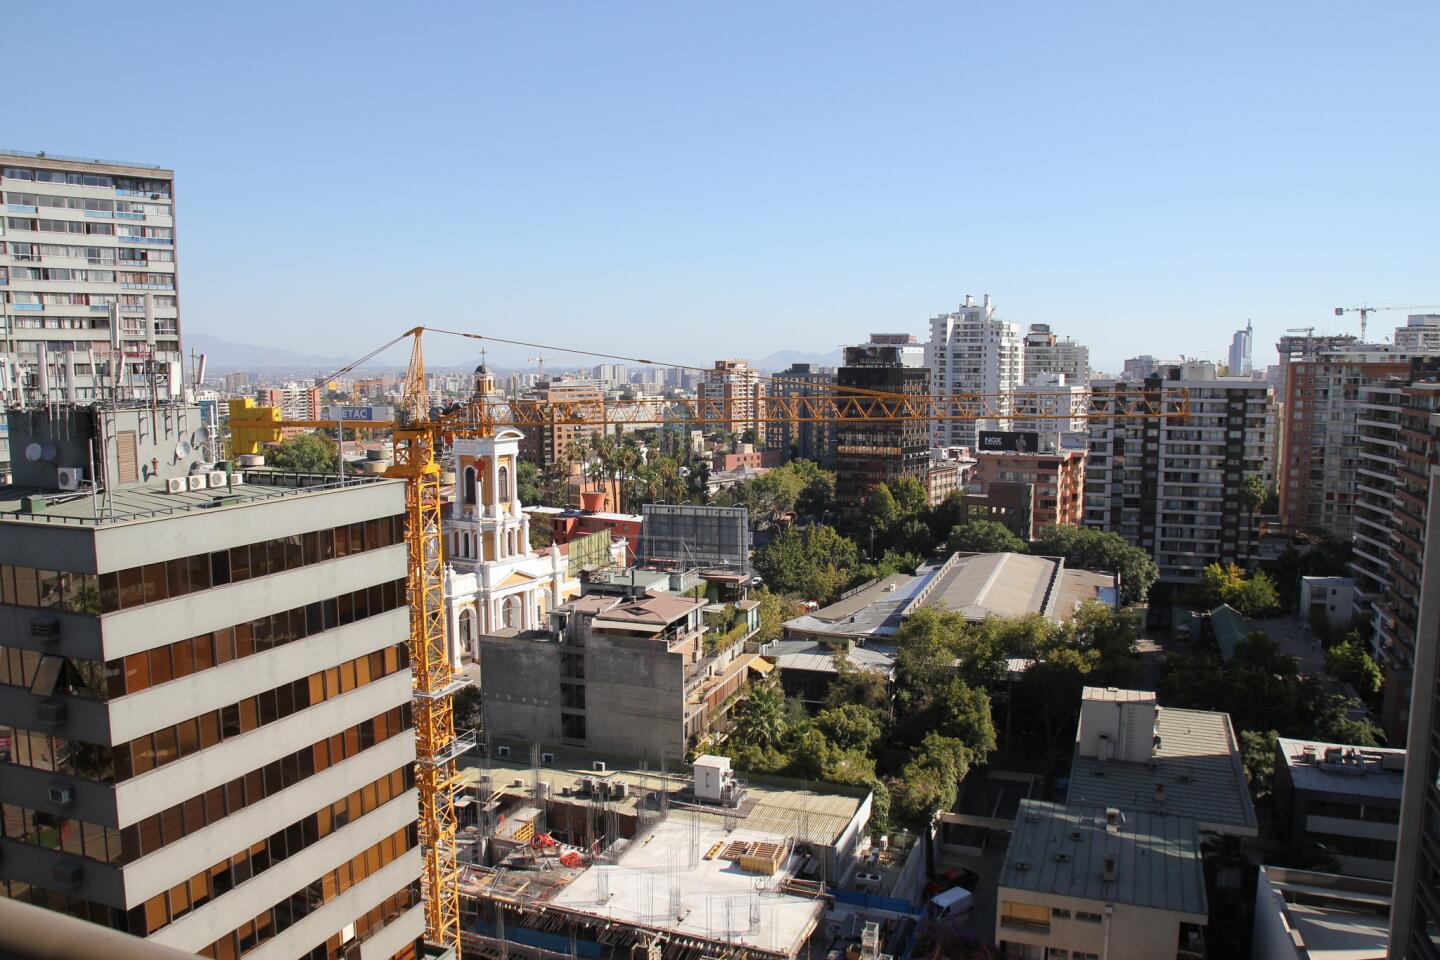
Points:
x=1197 y=762
x=1062 y=850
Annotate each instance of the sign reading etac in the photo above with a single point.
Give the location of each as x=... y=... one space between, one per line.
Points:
x=359 y=412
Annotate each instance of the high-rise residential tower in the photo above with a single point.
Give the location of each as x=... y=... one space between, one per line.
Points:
x=732 y=391
x=970 y=351
x=89 y=305
x=1176 y=487
x=205 y=725
x=1046 y=355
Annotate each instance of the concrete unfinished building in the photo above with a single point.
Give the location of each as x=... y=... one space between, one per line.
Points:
x=570 y=856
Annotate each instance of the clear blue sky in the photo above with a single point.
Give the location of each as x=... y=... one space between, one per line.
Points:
x=721 y=179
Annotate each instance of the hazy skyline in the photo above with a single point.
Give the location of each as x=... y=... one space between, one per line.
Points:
x=697 y=181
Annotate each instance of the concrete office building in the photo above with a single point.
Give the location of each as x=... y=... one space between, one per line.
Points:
x=1173 y=486
x=1416 y=911
x=796 y=438
x=205 y=701
x=1320 y=454
x=1344 y=798
x=732 y=392
x=1086 y=882
x=1046 y=355
x=869 y=453
x=970 y=351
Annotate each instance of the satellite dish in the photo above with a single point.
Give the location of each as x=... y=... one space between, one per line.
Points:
x=33 y=451
x=202 y=435
x=48 y=453
x=182 y=450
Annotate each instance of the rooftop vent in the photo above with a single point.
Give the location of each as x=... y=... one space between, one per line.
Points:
x=1159 y=793
x=1022 y=865
x=1062 y=858
x=1112 y=868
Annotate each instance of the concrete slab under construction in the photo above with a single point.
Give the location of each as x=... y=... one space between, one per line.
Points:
x=668 y=881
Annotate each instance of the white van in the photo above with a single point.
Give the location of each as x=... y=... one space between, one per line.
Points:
x=953 y=904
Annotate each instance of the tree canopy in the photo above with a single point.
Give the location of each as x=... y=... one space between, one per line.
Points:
x=1253 y=595
x=307 y=453
x=1091 y=549
x=814 y=562
x=983 y=536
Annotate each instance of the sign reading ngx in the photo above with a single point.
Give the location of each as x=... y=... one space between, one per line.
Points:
x=1010 y=441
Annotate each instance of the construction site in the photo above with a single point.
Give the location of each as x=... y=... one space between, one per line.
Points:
x=570 y=856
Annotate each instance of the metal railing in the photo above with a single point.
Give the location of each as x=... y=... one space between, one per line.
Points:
x=62 y=158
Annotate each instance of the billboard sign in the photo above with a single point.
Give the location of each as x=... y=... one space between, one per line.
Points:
x=1009 y=441
x=695 y=537
x=359 y=412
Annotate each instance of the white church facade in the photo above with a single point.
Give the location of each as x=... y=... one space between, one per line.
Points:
x=494 y=582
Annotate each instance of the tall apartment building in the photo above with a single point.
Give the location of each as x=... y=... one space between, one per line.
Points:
x=733 y=392
x=1138 y=368
x=1415 y=914
x=1045 y=355
x=1320 y=452
x=1421 y=333
x=205 y=733
x=972 y=352
x=87 y=259
x=1173 y=486
x=869 y=453
x=557 y=442
x=1399 y=445
x=1240 y=347
x=1055 y=407
x=799 y=439
x=296 y=401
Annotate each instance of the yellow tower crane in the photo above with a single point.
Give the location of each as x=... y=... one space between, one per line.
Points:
x=420 y=440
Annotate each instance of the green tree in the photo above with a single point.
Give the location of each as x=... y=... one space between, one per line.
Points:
x=1351 y=662
x=983 y=536
x=814 y=562
x=850 y=727
x=527 y=484
x=307 y=453
x=1090 y=549
x=760 y=718
x=852 y=685
x=911 y=500
x=1257 y=753
x=1253 y=596
x=930 y=781
x=878 y=515
x=817 y=497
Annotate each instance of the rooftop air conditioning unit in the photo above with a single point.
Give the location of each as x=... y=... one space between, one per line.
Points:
x=196 y=481
x=502 y=751
x=547 y=758
x=176 y=485
x=236 y=478
x=216 y=478
x=598 y=766
x=60 y=794
x=70 y=477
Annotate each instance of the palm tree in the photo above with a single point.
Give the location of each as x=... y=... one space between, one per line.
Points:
x=760 y=717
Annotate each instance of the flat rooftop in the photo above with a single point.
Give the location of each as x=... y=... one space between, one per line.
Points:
x=811 y=655
x=874 y=610
x=980 y=585
x=1357 y=771
x=773 y=804
x=1062 y=850
x=1198 y=763
x=1330 y=917
x=669 y=880
x=150 y=501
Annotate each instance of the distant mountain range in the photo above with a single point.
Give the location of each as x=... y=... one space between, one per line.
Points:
x=221 y=354
x=781 y=359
